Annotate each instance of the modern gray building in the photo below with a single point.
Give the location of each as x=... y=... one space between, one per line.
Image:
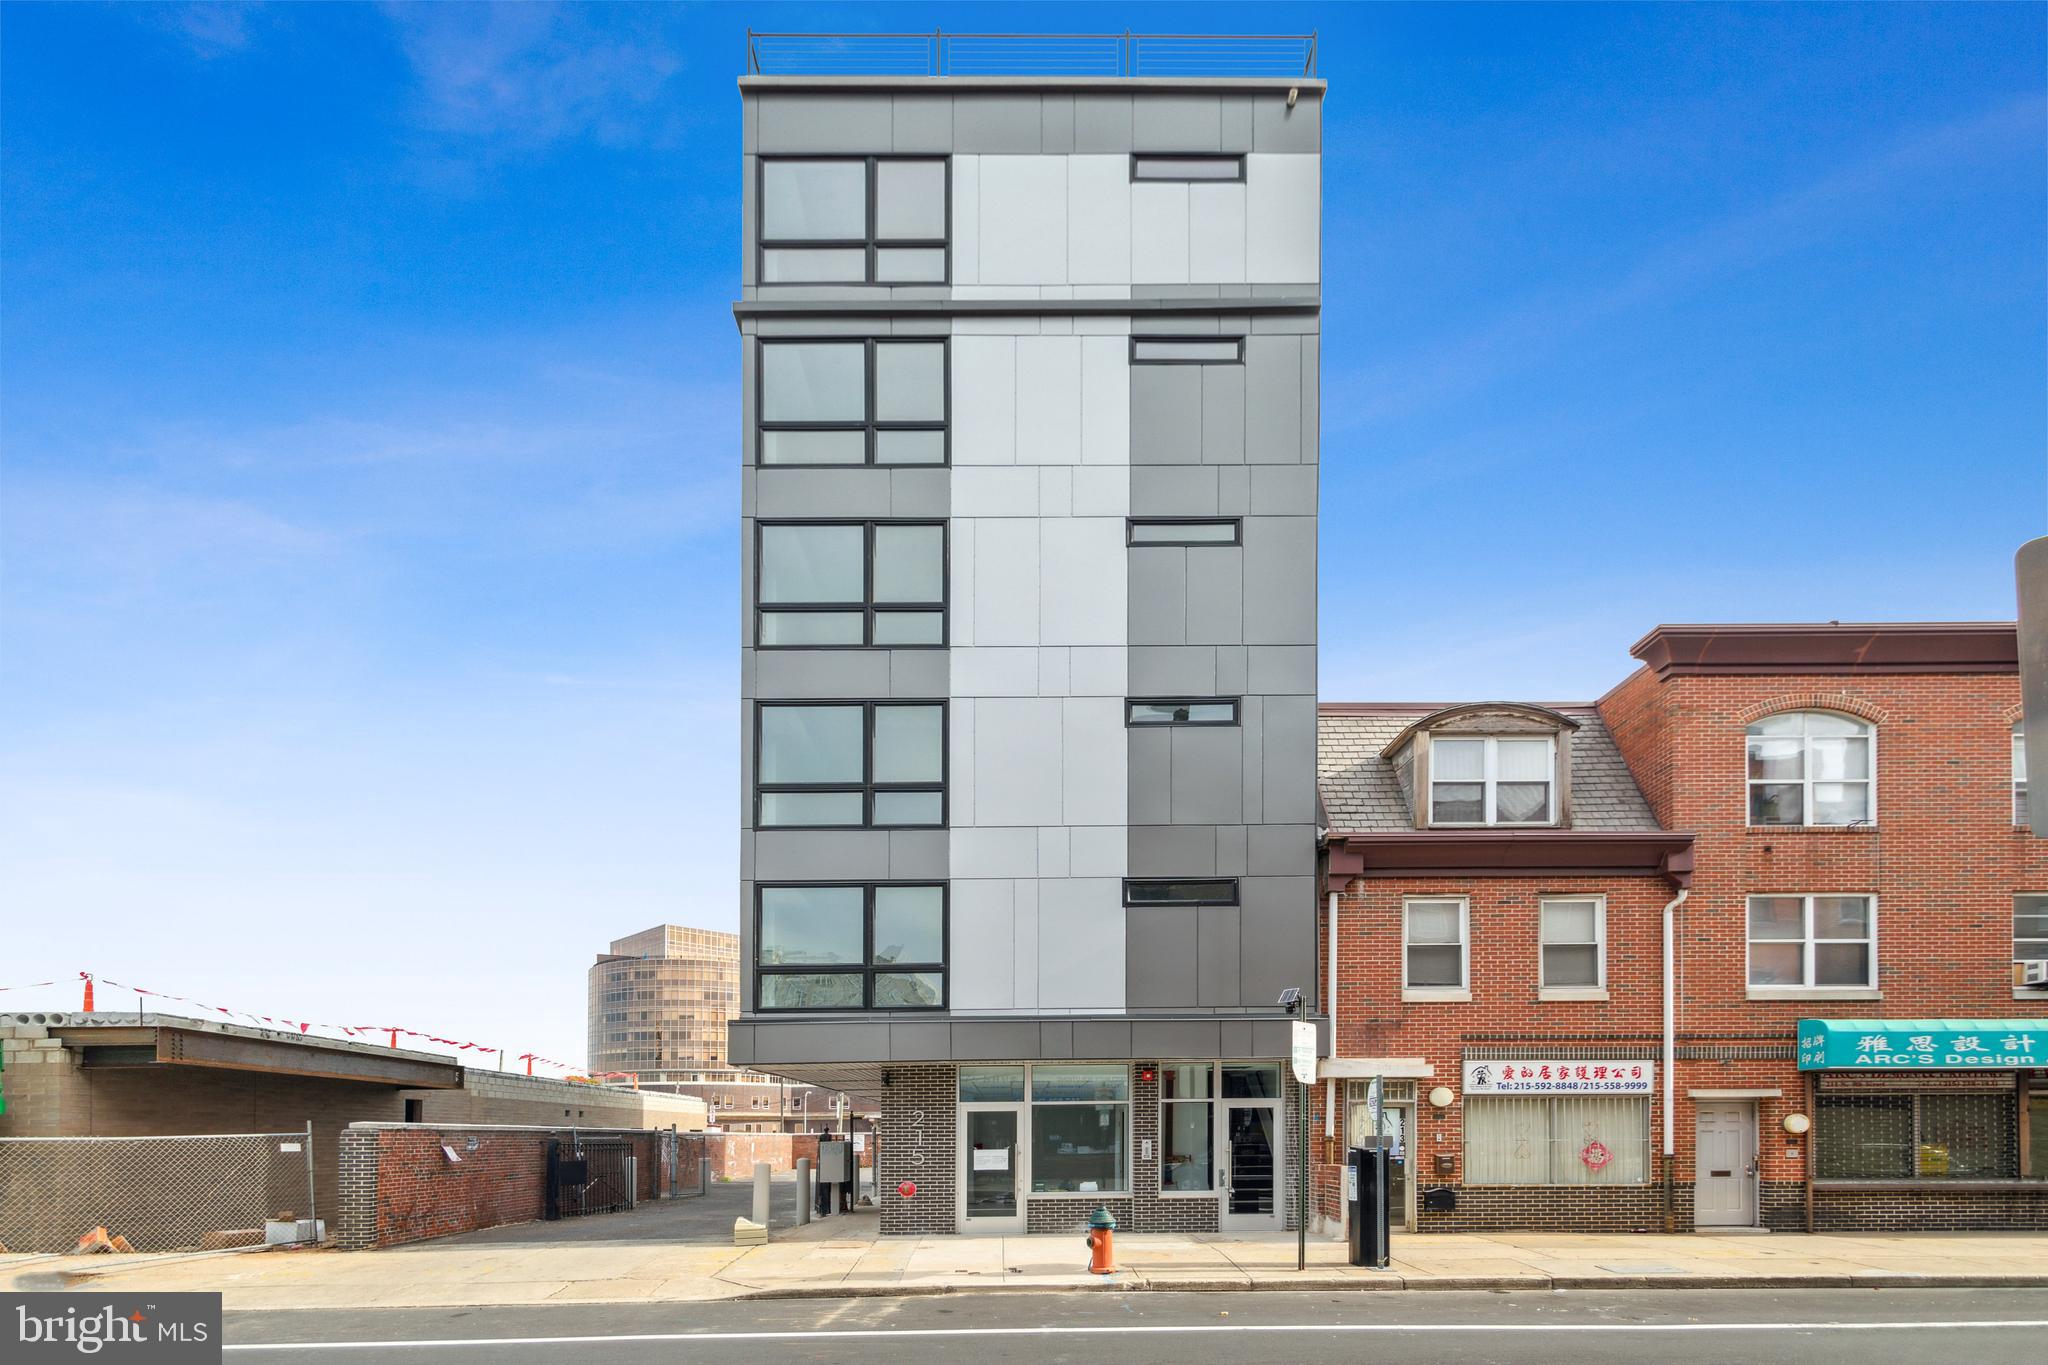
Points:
x=1029 y=626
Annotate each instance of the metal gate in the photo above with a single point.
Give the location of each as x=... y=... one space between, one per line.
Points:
x=588 y=1175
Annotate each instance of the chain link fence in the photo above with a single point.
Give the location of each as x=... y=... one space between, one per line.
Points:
x=160 y=1193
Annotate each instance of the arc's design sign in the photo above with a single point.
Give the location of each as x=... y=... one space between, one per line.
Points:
x=1552 y=1076
x=1912 y=1044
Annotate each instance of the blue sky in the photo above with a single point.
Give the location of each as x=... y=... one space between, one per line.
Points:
x=367 y=549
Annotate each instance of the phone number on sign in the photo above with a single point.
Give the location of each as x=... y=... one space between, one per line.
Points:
x=1502 y=1087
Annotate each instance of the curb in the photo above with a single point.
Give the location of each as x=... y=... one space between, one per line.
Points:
x=1323 y=1284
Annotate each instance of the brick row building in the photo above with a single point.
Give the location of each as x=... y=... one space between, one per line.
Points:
x=1821 y=823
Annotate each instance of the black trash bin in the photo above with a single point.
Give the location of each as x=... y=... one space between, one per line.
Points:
x=1367 y=1192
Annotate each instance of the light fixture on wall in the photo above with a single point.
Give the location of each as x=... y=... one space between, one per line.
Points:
x=1795 y=1124
x=1441 y=1097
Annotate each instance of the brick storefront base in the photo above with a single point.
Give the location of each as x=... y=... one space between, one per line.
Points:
x=1930 y=1209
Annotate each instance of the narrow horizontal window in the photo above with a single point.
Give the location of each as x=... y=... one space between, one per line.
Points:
x=1216 y=891
x=1187 y=350
x=1146 y=166
x=1183 y=711
x=1184 y=532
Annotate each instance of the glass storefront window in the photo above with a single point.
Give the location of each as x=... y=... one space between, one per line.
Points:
x=991 y=1084
x=1548 y=1140
x=1079 y=1148
x=1251 y=1082
x=1067 y=1083
x=1187 y=1127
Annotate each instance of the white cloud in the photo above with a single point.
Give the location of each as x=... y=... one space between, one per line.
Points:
x=530 y=74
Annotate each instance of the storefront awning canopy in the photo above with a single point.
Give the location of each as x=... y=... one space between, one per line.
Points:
x=1915 y=1044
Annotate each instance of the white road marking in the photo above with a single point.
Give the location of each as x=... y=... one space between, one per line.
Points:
x=1138 y=1329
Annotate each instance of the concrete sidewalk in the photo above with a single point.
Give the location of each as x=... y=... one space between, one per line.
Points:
x=843 y=1257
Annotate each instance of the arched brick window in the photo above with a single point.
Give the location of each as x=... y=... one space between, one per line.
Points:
x=1812 y=768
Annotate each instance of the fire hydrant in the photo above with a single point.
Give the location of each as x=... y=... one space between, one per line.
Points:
x=1101 y=1246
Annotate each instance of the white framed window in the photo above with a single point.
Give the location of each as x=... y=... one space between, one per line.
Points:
x=2029 y=930
x=1813 y=943
x=2019 y=775
x=1573 y=930
x=1812 y=768
x=1488 y=780
x=1435 y=952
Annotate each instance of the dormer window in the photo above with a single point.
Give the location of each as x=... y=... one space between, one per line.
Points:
x=1492 y=780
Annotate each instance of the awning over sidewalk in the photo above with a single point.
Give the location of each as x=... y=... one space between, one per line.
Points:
x=1912 y=1044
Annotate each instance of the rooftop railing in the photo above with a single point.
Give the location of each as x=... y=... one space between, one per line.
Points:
x=1215 y=55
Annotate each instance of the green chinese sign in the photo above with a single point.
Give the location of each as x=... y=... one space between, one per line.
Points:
x=1912 y=1044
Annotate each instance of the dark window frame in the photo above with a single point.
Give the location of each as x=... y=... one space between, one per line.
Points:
x=867 y=606
x=868 y=969
x=1232 y=898
x=869 y=242
x=1137 y=340
x=1131 y=525
x=1242 y=159
x=1236 y=705
x=869 y=424
x=867 y=787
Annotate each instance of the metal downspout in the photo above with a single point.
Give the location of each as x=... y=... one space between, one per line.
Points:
x=1671 y=1055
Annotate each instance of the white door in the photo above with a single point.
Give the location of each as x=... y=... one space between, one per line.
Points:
x=1725 y=1148
x=992 y=1172
x=1254 y=1165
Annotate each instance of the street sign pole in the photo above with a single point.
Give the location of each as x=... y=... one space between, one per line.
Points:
x=1302 y=1060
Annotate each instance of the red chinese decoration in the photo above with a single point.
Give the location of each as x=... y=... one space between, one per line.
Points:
x=908 y=1189
x=1595 y=1154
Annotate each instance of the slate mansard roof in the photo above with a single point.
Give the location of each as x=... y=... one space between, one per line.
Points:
x=1360 y=794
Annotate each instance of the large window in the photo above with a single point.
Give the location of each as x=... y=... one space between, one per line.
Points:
x=1810 y=768
x=842 y=402
x=1490 y=781
x=1433 y=944
x=850 y=947
x=2029 y=932
x=854 y=220
x=1916 y=1137
x=1556 y=1140
x=832 y=584
x=1080 y=1129
x=1574 y=931
x=1813 y=942
x=843 y=765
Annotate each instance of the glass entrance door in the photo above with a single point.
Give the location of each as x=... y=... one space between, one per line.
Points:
x=992 y=1177
x=1251 y=1194
x=1398 y=1122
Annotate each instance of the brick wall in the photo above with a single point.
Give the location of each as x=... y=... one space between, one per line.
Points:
x=917 y=1140
x=733 y=1154
x=1944 y=859
x=1929 y=1208
x=399 y=1186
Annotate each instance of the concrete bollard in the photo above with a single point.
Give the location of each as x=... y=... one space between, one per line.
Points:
x=761 y=1193
x=803 y=1190
x=703 y=1175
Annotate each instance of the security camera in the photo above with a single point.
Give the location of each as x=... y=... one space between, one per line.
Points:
x=1290 y=998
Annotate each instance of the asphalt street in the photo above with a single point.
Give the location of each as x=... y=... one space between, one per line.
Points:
x=1826 y=1327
